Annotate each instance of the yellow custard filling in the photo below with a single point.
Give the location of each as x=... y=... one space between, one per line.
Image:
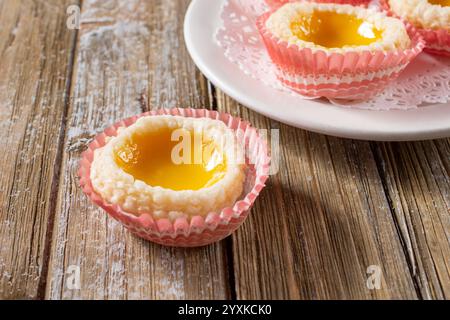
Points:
x=158 y=158
x=443 y=3
x=334 y=30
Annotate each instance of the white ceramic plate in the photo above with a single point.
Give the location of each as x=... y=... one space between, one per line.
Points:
x=201 y=22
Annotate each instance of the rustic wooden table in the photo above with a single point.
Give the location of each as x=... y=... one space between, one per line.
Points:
x=336 y=208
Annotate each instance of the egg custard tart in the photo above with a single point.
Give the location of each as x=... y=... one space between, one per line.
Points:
x=170 y=167
x=336 y=51
x=431 y=18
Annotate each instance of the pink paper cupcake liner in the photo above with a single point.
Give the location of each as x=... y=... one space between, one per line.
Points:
x=437 y=40
x=198 y=230
x=277 y=3
x=352 y=75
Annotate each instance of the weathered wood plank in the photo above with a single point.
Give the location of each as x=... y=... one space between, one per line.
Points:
x=128 y=50
x=417 y=179
x=35 y=63
x=323 y=220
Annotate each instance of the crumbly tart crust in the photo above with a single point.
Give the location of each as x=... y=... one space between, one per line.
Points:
x=394 y=34
x=134 y=196
x=422 y=13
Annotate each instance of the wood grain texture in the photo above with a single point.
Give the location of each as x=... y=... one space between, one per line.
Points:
x=417 y=180
x=323 y=220
x=35 y=64
x=128 y=50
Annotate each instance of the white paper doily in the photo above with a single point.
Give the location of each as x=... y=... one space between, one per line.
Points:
x=425 y=81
